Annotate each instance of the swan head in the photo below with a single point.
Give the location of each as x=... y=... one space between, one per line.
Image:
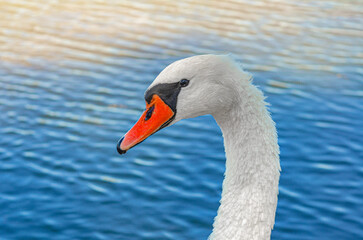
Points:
x=187 y=88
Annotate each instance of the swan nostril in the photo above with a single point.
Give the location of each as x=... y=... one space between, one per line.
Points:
x=149 y=113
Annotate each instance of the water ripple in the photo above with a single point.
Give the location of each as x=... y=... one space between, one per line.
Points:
x=72 y=79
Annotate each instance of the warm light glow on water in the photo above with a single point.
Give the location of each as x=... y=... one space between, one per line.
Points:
x=72 y=78
x=307 y=35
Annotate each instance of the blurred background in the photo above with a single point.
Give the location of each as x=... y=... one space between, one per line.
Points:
x=72 y=78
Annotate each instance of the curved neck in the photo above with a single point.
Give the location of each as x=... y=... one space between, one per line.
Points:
x=250 y=187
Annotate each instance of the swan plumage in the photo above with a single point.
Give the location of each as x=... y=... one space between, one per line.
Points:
x=216 y=85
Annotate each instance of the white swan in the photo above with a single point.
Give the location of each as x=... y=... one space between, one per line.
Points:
x=210 y=84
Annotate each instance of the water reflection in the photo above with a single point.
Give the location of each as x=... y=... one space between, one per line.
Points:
x=72 y=77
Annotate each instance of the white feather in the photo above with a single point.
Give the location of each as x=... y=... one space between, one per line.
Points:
x=218 y=86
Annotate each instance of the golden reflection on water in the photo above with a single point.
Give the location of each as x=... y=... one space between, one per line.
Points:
x=69 y=89
x=267 y=35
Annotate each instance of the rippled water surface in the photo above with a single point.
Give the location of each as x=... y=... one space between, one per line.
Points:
x=72 y=78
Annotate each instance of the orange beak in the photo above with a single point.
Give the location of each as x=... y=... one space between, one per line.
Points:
x=156 y=116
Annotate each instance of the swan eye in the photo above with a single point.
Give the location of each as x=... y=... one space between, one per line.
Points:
x=184 y=82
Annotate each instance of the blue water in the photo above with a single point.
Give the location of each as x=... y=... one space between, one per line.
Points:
x=72 y=78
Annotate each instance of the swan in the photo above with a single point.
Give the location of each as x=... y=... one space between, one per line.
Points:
x=216 y=85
